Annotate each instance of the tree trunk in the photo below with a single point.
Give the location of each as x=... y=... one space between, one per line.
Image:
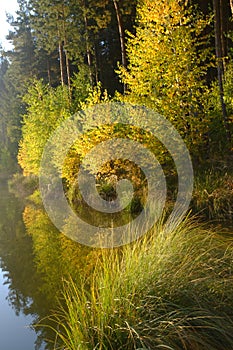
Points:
x=61 y=63
x=231 y=4
x=222 y=39
x=121 y=33
x=68 y=71
x=96 y=67
x=65 y=48
x=121 y=36
x=49 y=71
x=88 y=50
x=220 y=68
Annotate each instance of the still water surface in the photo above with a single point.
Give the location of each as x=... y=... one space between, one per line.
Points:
x=35 y=259
x=15 y=333
x=17 y=278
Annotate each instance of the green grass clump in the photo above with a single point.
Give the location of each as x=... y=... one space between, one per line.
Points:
x=166 y=291
x=213 y=195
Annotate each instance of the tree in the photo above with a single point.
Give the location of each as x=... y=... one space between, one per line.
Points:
x=121 y=33
x=217 y=4
x=20 y=67
x=71 y=27
x=49 y=22
x=47 y=107
x=167 y=64
x=120 y=11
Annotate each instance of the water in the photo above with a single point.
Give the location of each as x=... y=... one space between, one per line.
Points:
x=17 y=274
x=15 y=333
x=34 y=260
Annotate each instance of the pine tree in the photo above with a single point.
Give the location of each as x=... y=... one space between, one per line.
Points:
x=20 y=67
x=219 y=49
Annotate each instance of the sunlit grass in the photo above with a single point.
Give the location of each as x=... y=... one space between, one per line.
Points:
x=166 y=291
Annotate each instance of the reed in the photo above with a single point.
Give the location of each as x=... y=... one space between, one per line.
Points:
x=166 y=291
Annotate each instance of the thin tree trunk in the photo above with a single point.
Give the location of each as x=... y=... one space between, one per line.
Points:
x=96 y=67
x=65 y=48
x=68 y=71
x=49 y=72
x=88 y=50
x=218 y=49
x=222 y=39
x=121 y=33
x=231 y=4
x=61 y=63
x=121 y=36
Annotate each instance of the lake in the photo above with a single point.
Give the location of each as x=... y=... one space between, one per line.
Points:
x=20 y=297
x=34 y=261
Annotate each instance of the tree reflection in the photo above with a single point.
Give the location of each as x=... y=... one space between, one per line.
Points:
x=57 y=258
x=17 y=260
x=36 y=259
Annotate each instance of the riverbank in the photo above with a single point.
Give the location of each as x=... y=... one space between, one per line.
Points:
x=212 y=195
x=165 y=291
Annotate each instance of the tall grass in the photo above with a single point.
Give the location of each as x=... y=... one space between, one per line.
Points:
x=213 y=195
x=163 y=292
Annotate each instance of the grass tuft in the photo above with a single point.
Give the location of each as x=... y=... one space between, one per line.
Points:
x=213 y=195
x=162 y=292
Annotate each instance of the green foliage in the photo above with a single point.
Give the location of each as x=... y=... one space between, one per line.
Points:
x=47 y=108
x=166 y=291
x=78 y=38
x=81 y=89
x=9 y=119
x=17 y=68
x=212 y=108
x=168 y=64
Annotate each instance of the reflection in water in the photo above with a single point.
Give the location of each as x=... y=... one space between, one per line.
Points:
x=14 y=331
x=36 y=259
x=57 y=258
x=21 y=279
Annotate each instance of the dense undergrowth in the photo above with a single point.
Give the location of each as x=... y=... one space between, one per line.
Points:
x=213 y=190
x=212 y=195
